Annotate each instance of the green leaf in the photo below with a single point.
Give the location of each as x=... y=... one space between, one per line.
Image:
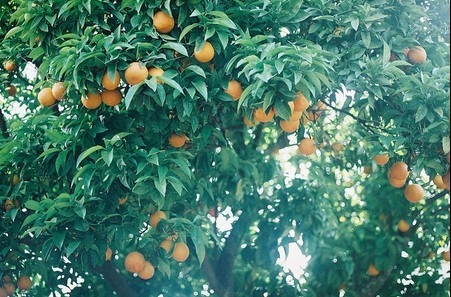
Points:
x=172 y=83
x=87 y=153
x=160 y=186
x=199 y=241
x=355 y=24
x=244 y=95
x=71 y=247
x=12 y=32
x=176 y=46
x=387 y=53
x=131 y=93
x=48 y=152
x=187 y=30
x=58 y=238
x=196 y=69
x=201 y=87
x=421 y=113
x=33 y=205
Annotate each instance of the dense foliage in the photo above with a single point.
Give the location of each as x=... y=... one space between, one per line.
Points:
x=83 y=169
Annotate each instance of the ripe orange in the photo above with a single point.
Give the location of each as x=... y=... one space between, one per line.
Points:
x=234 y=89
x=8 y=204
x=156 y=72
x=166 y=245
x=134 y=262
x=58 y=90
x=438 y=181
x=261 y=116
x=156 y=217
x=247 y=122
x=181 y=252
x=313 y=116
x=337 y=147
x=16 y=179
x=108 y=254
x=177 y=141
x=290 y=126
x=12 y=90
x=397 y=183
x=9 y=65
x=111 y=98
x=163 y=22
x=10 y=288
x=307 y=146
x=301 y=103
x=414 y=193
x=320 y=107
x=3 y=292
x=147 y=272
x=45 y=97
x=122 y=200
x=399 y=170
x=6 y=278
x=24 y=282
x=92 y=101
x=135 y=73
x=109 y=84
x=367 y=169
x=372 y=270
x=446 y=256
x=403 y=226
x=417 y=55
x=381 y=159
x=431 y=255
x=205 y=54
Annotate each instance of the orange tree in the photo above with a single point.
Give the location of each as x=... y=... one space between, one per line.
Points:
x=173 y=148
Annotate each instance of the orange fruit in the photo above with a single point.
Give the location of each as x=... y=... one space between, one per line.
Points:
x=307 y=146
x=8 y=204
x=320 y=106
x=417 y=55
x=431 y=255
x=205 y=54
x=445 y=179
x=163 y=22
x=296 y=115
x=446 y=256
x=9 y=65
x=313 y=116
x=337 y=147
x=381 y=159
x=367 y=169
x=290 y=126
x=177 y=141
x=301 y=103
x=156 y=217
x=3 y=292
x=414 y=193
x=134 y=262
x=12 y=90
x=372 y=270
x=247 y=122
x=399 y=170
x=24 y=282
x=6 y=278
x=393 y=57
x=181 y=252
x=135 y=73
x=91 y=101
x=10 y=288
x=58 y=90
x=156 y=72
x=403 y=226
x=45 y=97
x=166 y=245
x=111 y=98
x=122 y=200
x=109 y=84
x=108 y=254
x=261 y=116
x=397 y=183
x=147 y=272
x=438 y=182
x=234 y=89
x=16 y=179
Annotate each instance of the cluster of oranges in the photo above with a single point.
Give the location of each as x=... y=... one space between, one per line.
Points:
x=8 y=289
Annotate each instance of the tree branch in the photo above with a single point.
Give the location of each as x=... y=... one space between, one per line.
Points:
x=210 y=272
x=3 y=126
x=373 y=287
x=115 y=280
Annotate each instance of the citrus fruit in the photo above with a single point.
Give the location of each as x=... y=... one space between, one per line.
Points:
x=108 y=254
x=91 y=101
x=163 y=22
x=156 y=72
x=399 y=170
x=438 y=182
x=166 y=245
x=111 y=98
x=234 y=89
x=403 y=226
x=372 y=270
x=109 y=84
x=181 y=252
x=9 y=65
x=290 y=126
x=58 y=90
x=12 y=90
x=307 y=146
x=301 y=103
x=414 y=193
x=381 y=159
x=261 y=116
x=397 y=183
x=134 y=262
x=446 y=256
x=147 y=272
x=156 y=217
x=45 y=97
x=24 y=282
x=177 y=141
x=417 y=55
x=205 y=54
x=135 y=73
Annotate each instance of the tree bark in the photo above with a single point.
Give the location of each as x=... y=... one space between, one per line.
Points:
x=3 y=126
x=116 y=280
x=373 y=287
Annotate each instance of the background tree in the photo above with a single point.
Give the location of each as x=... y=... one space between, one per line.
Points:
x=189 y=142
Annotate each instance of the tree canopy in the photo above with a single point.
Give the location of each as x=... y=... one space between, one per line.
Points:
x=184 y=148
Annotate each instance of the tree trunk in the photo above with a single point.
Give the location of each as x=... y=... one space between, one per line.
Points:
x=116 y=280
